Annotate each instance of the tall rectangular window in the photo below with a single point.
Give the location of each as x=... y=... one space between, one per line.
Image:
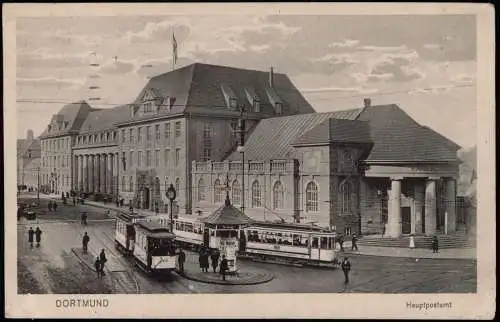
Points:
x=207 y=141
x=139 y=158
x=148 y=133
x=157 y=158
x=123 y=137
x=130 y=136
x=166 y=157
x=139 y=134
x=131 y=158
x=157 y=132
x=177 y=156
x=177 y=129
x=167 y=131
x=148 y=158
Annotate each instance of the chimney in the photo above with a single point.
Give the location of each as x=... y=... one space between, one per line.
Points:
x=368 y=102
x=29 y=135
x=271 y=77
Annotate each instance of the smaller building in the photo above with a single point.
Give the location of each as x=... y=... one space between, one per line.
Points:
x=28 y=161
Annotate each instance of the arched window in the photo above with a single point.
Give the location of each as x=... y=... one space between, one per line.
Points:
x=236 y=192
x=278 y=195
x=311 y=197
x=177 y=186
x=201 y=190
x=131 y=184
x=256 y=201
x=218 y=192
x=345 y=190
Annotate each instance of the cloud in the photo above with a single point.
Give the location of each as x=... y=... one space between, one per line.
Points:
x=436 y=90
x=463 y=79
x=49 y=81
x=348 y=43
x=360 y=90
x=117 y=67
x=159 y=31
x=432 y=46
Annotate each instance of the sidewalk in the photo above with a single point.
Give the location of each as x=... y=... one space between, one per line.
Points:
x=453 y=253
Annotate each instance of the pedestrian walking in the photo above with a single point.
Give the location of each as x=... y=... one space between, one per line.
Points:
x=223 y=267
x=117 y=203
x=103 y=260
x=200 y=258
x=84 y=218
x=38 y=235
x=412 y=241
x=50 y=205
x=31 y=232
x=435 y=244
x=340 y=240
x=97 y=265
x=215 y=259
x=54 y=205
x=74 y=201
x=354 y=242
x=85 y=242
x=346 y=268
x=182 y=259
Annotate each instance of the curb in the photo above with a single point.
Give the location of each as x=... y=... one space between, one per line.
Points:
x=269 y=277
x=412 y=257
x=82 y=260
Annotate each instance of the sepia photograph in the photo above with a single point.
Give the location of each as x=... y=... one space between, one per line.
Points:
x=167 y=153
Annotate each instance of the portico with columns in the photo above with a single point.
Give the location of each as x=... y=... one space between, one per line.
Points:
x=420 y=199
x=96 y=171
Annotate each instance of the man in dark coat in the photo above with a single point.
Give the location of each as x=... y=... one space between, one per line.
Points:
x=223 y=267
x=84 y=218
x=54 y=205
x=49 y=205
x=38 y=234
x=215 y=259
x=182 y=259
x=85 y=242
x=102 y=258
x=31 y=232
x=74 y=201
x=340 y=240
x=435 y=244
x=354 y=242
x=346 y=267
x=97 y=265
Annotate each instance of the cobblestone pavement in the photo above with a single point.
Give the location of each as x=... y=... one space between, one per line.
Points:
x=56 y=269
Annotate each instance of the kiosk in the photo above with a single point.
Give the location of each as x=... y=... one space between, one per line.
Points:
x=223 y=230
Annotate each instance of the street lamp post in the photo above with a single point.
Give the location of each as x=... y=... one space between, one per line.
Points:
x=241 y=149
x=171 y=194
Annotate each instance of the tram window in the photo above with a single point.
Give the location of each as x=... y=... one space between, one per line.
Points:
x=212 y=233
x=314 y=243
x=324 y=242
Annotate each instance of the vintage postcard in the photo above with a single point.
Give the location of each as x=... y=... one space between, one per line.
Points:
x=249 y=160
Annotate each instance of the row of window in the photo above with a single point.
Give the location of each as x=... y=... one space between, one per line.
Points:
x=127 y=184
x=290 y=239
x=96 y=138
x=312 y=202
x=59 y=161
x=63 y=180
x=151 y=158
x=133 y=135
x=53 y=145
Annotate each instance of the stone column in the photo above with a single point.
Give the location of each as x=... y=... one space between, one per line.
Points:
x=394 y=215
x=117 y=172
x=97 y=160
x=102 y=174
x=430 y=206
x=451 y=195
x=109 y=172
x=90 y=173
x=419 y=201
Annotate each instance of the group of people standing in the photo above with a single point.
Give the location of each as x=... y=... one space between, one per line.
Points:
x=214 y=255
x=99 y=263
x=52 y=205
x=35 y=233
x=340 y=241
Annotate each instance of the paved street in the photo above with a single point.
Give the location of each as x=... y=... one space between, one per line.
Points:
x=55 y=268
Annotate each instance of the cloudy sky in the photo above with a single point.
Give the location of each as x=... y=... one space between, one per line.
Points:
x=425 y=64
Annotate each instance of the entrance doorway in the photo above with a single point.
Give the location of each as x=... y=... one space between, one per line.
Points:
x=406 y=220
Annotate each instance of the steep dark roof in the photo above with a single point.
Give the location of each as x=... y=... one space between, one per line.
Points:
x=398 y=138
x=273 y=137
x=335 y=131
x=23 y=145
x=103 y=119
x=71 y=118
x=199 y=88
x=227 y=215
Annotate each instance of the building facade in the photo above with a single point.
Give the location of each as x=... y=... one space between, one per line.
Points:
x=371 y=170
x=28 y=161
x=134 y=152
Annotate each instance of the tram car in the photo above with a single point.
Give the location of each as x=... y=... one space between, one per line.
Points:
x=149 y=242
x=293 y=242
x=305 y=244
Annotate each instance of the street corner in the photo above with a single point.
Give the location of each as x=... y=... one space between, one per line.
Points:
x=242 y=277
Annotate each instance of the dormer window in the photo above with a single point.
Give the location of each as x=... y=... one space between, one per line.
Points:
x=233 y=103
x=50 y=127
x=230 y=96
x=256 y=104
x=66 y=123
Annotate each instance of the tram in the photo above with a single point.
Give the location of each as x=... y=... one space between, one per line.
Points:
x=150 y=243
x=306 y=244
